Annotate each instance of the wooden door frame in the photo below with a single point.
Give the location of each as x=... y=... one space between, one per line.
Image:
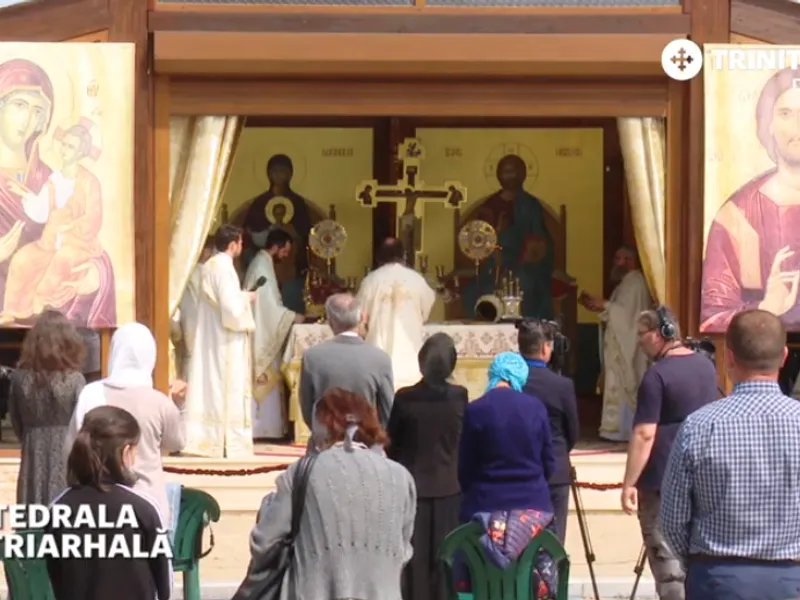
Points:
x=522 y=99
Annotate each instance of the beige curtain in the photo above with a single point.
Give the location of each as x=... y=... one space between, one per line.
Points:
x=201 y=154
x=643 y=142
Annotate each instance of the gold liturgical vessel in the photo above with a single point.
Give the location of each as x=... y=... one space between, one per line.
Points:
x=477 y=240
x=326 y=240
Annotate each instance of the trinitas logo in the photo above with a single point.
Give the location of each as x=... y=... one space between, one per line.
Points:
x=758 y=58
x=683 y=59
x=79 y=535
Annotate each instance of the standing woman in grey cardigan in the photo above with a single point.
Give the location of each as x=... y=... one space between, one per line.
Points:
x=358 y=518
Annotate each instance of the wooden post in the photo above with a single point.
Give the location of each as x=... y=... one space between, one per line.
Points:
x=674 y=235
x=105 y=349
x=161 y=241
x=129 y=24
x=710 y=23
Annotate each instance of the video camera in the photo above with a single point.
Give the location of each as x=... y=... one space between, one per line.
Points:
x=552 y=333
x=705 y=347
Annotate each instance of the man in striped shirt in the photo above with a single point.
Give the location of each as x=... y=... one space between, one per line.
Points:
x=730 y=505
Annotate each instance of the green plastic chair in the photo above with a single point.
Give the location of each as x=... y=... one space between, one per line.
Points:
x=198 y=510
x=490 y=583
x=27 y=579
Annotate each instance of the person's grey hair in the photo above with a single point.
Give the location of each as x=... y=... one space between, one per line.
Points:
x=650 y=321
x=343 y=312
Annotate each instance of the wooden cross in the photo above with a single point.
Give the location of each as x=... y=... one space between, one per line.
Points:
x=410 y=194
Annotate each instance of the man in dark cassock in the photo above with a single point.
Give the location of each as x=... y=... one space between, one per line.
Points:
x=259 y=218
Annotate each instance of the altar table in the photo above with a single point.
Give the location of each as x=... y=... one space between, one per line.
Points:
x=476 y=345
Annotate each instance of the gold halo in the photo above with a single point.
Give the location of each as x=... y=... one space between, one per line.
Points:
x=269 y=209
x=327 y=239
x=477 y=240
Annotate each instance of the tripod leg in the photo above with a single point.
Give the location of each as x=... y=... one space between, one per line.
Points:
x=584 y=529
x=638 y=569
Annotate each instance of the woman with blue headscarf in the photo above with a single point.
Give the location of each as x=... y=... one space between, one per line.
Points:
x=505 y=453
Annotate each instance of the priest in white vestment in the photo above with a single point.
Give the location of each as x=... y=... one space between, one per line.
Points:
x=184 y=321
x=218 y=396
x=398 y=302
x=273 y=324
x=624 y=362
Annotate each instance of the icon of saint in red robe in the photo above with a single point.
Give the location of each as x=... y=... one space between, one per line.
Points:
x=752 y=257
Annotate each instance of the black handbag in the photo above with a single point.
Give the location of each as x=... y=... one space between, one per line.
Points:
x=266 y=574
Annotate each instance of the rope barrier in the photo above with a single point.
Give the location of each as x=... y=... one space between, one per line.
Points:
x=600 y=487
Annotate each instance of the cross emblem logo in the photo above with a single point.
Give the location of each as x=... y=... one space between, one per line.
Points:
x=682 y=59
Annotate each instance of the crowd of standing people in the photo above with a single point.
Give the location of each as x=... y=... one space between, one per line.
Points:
x=391 y=470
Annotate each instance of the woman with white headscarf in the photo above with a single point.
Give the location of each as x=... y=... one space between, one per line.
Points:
x=129 y=386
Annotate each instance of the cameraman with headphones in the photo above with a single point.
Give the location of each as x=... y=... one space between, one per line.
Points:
x=677 y=383
x=557 y=393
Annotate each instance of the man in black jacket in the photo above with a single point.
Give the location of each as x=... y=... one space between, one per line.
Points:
x=557 y=393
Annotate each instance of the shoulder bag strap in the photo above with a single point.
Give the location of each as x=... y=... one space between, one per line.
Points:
x=299 y=487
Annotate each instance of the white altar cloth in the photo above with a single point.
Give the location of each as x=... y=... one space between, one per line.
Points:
x=476 y=345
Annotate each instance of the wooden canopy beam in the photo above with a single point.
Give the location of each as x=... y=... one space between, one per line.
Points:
x=671 y=24
x=408 y=55
x=53 y=20
x=773 y=21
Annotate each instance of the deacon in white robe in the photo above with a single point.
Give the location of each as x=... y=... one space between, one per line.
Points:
x=218 y=397
x=184 y=321
x=398 y=302
x=273 y=323
x=624 y=362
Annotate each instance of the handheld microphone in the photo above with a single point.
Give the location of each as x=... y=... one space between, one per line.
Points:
x=259 y=282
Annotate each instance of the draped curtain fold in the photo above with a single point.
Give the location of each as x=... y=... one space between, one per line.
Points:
x=201 y=155
x=643 y=142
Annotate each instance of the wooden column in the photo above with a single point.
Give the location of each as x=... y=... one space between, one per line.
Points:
x=162 y=228
x=710 y=23
x=129 y=24
x=676 y=201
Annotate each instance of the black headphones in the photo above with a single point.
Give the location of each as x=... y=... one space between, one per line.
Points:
x=666 y=326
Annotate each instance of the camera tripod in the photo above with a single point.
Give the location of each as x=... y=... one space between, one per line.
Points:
x=584 y=529
x=638 y=570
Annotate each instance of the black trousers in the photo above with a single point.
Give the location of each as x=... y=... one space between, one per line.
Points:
x=559 y=497
x=423 y=577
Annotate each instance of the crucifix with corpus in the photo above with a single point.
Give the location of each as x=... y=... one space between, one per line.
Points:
x=410 y=194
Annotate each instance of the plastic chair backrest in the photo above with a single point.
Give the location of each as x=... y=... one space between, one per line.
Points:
x=197 y=510
x=491 y=583
x=27 y=578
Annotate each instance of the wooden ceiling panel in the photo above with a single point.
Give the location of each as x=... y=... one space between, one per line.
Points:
x=771 y=21
x=601 y=22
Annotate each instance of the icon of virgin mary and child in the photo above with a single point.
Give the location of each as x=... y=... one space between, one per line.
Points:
x=50 y=255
